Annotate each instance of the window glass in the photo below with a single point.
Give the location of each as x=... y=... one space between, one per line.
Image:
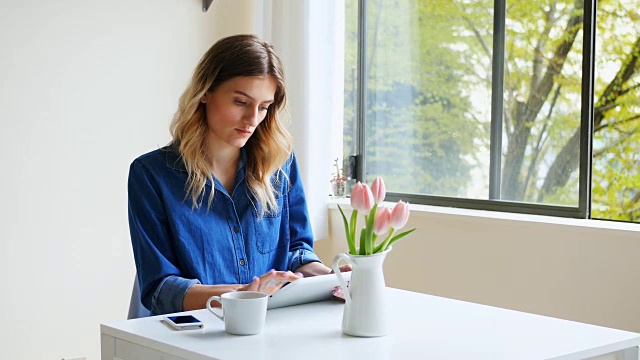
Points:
x=428 y=96
x=542 y=102
x=616 y=140
x=430 y=83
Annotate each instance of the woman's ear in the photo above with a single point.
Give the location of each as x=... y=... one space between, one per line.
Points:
x=203 y=99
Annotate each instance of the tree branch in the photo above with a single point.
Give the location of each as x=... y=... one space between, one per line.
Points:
x=615 y=123
x=568 y=158
x=615 y=88
x=539 y=94
x=478 y=36
x=611 y=104
x=604 y=150
x=526 y=112
x=538 y=53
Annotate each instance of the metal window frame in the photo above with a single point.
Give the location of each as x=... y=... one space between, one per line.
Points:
x=494 y=203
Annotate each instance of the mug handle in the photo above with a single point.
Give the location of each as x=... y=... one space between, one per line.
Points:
x=215 y=298
x=336 y=270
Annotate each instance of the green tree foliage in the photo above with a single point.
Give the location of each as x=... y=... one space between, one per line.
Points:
x=429 y=83
x=616 y=174
x=418 y=134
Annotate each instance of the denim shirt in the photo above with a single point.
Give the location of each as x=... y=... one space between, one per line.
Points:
x=176 y=246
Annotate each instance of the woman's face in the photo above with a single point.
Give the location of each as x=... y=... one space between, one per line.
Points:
x=236 y=107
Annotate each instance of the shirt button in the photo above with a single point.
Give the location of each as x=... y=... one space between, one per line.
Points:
x=235 y=229
x=242 y=262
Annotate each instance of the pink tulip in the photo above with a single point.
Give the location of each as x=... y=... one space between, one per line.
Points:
x=361 y=197
x=378 y=189
x=382 y=220
x=400 y=215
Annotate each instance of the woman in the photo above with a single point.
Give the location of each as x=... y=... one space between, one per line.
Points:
x=222 y=208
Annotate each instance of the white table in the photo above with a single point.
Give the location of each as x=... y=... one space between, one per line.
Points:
x=422 y=327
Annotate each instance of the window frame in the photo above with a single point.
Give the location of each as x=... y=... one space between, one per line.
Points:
x=494 y=203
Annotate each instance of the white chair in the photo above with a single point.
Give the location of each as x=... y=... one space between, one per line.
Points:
x=136 y=309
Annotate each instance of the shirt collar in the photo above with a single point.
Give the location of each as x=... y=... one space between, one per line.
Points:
x=175 y=161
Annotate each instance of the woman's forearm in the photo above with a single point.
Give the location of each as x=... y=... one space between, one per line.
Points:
x=198 y=294
x=313 y=269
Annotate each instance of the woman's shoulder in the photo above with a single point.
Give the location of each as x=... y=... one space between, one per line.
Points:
x=289 y=164
x=167 y=156
x=291 y=159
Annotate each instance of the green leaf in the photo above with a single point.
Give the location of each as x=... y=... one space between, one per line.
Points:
x=347 y=230
x=398 y=237
x=352 y=229
x=383 y=245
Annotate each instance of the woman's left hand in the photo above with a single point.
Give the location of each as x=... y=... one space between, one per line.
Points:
x=317 y=268
x=270 y=282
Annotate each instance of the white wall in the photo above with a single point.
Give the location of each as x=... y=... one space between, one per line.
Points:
x=85 y=87
x=581 y=270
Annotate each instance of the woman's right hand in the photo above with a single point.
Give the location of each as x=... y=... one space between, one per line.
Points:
x=270 y=282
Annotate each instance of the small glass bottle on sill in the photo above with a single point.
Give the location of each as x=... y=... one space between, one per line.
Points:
x=339 y=188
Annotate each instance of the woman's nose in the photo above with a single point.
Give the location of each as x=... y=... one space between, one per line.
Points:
x=253 y=117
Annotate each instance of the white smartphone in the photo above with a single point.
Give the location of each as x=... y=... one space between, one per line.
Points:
x=183 y=322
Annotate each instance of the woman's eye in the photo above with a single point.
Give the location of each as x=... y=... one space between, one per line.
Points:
x=264 y=108
x=240 y=102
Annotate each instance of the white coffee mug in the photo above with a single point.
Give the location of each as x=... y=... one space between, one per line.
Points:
x=243 y=312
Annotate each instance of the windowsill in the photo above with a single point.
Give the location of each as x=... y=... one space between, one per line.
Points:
x=484 y=214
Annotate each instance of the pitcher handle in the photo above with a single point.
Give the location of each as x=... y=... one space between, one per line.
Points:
x=336 y=270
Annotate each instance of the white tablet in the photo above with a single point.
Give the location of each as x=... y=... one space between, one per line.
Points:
x=306 y=290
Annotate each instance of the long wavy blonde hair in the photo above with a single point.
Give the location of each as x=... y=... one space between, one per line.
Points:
x=269 y=146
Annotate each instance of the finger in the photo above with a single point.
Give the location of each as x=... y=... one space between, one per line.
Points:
x=271 y=274
x=346 y=267
x=271 y=286
x=286 y=276
x=343 y=268
x=254 y=285
x=279 y=285
x=289 y=276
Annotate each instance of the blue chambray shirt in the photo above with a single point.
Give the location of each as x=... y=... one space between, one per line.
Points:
x=176 y=246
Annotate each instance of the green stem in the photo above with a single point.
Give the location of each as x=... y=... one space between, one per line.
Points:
x=374 y=239
x=362 y=242
x=383 y=246
x=369 y=220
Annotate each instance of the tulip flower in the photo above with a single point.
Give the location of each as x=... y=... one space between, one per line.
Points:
x=378 y=220
x=361 y=197
x=382 y=221
x=400 y=215
x=378 y=189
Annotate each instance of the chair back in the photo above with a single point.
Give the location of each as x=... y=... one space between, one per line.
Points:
x=136 y=309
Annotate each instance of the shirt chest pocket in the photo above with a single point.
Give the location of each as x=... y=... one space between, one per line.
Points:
x=271 y=229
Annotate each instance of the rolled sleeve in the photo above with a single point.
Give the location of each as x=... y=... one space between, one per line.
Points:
x=300 y=257
x=169 y=295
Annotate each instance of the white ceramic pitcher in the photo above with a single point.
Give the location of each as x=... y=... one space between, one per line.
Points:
x=365 y=310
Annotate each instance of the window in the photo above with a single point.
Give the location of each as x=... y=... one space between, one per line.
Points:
x=616 y=138
x=496 y=106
